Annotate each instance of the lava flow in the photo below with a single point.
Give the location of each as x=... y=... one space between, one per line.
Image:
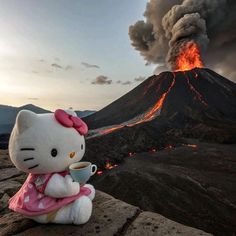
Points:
x=148 y=116
x=189 y=58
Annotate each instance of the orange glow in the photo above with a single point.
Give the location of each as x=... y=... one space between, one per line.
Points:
x=110 y=166
x=109 y=130
x=189 y=58
x=192 y=145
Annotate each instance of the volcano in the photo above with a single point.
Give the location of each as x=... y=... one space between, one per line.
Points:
x=168 y=146
x=199 y=94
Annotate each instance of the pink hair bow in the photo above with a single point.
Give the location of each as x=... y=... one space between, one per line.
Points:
x=71 y=121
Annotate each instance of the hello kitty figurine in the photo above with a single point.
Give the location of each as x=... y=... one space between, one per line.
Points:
x=44 y=146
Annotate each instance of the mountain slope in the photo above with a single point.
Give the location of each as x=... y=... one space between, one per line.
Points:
x=199 y=94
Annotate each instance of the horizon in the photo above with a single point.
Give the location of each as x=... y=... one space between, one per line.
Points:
x=86 y=109
x=32 y=104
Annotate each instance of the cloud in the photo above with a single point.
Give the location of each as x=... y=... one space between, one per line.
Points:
x=139 y=79
x=68 y=67
x=101 y=80
x=56 y=65
x=41 y=60
x=33 y=99
x=126 y=83
x=34 y=72
x=57 y=59
x=87 y=65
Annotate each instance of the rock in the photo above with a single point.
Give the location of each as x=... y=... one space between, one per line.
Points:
x=194 y=185
x=109 y=216
x=7 y=189
x=13 y=223
x=4 y=203
x=5 y=160
x=9 y=173
x=156 y=224
x=10 y=187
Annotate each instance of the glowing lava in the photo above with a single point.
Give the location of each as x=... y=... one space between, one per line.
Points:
x=191 y=145
x=109 y=130
x=189 y=58
x=110 y=166
x=148 y=116
x=197 y=94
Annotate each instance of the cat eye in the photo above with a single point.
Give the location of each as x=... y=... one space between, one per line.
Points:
x=82 y=146
x=54 y=152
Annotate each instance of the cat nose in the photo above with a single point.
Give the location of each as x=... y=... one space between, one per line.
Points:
x=72 y=154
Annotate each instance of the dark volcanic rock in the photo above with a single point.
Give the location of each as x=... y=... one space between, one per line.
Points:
x=116 y=146
x=158 y=134
x=194 y=186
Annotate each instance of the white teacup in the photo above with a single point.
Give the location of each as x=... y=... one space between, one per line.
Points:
x=82 y=171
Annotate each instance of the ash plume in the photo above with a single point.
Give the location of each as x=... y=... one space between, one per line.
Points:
x=172 y=24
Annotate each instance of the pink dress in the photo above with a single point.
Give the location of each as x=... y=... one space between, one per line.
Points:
x=30 y=200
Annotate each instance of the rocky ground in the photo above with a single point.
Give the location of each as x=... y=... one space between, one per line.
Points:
x=193 y=184
x=110 y=216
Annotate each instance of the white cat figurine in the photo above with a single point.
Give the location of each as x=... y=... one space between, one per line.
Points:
x=44 y=146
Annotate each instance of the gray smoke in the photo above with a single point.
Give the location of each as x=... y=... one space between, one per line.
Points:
x=172 y=24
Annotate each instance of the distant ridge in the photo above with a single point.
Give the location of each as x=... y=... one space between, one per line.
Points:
x=8 y=115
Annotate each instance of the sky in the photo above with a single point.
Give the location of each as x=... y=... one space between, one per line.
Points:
x=76 y=53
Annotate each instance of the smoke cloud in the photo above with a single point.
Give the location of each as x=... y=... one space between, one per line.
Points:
x=172 y=24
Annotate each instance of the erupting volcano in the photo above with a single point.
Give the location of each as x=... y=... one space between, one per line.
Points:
x=189 y=58
x=170 y=94
x=154 y=130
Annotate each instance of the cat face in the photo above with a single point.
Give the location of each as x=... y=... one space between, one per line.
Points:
x=40 y=145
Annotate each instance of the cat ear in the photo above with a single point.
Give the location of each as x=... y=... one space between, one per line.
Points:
x=25 y=120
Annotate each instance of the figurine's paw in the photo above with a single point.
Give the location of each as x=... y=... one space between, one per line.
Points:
x=92 y=189
x=73 y=187
x=81 y=210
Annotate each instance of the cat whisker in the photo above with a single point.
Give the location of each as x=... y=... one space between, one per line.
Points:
x=27 y=149
x=32 y=167
x=28 y=159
